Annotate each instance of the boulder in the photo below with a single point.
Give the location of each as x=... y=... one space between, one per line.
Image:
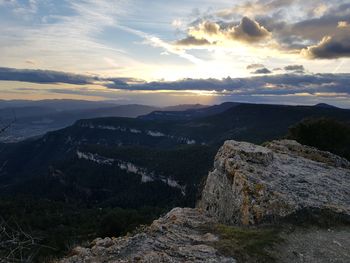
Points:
x=253 y=184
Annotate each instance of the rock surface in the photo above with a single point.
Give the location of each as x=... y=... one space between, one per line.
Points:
x=315 y=245
x=176 y=237
x=252 y=184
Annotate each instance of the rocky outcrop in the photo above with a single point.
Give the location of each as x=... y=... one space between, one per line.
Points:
x=249 y=185
x=176 y=237
x=253 y=184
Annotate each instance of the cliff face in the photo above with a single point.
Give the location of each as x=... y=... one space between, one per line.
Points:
x=252 y=184
x=249 y=185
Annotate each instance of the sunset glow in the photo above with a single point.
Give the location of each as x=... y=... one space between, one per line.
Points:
x=163 y=44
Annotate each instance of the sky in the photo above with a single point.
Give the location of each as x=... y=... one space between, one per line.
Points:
x=172 y=52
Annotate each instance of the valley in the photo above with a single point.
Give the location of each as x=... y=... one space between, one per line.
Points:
x=136 y=163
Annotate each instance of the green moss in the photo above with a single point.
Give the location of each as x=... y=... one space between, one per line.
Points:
x=246 y=244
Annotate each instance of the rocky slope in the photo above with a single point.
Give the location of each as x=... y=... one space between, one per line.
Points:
x=275 y=186
x=176 y=237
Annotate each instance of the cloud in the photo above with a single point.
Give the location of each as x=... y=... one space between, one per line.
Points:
x=308 y=31
x=254 y=8
x=319 y=10
x=279 y=84
x=44 y=76
x=192 y=41
x=49 y=76
x=274 y=86
x=212 y=33
x=249 y=31
x=262 y=71
x=342 y=24
x=63 y=35
x=288 y=34
x=7 y=2
x=157 y=42
x=295 y=68
x=210 y=28
x=21 y=8
x=258 y=69
x=255 y=66
x=329 y=48
x=30 y=62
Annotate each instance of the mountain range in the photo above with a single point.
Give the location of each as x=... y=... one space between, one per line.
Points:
x=35 y=118
x=161 y=161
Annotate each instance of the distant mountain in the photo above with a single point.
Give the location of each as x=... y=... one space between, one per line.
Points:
x=324 y=105
x=57 y=104
x=34 y=118
x=198 y=112
x=183 y=107
x=68 y=104
x=37 y=120
x=130 y=162
x=25 y=111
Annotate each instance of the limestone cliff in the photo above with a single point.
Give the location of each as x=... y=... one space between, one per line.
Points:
x=249 y=185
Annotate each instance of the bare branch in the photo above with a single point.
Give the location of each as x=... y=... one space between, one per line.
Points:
x=16 y=245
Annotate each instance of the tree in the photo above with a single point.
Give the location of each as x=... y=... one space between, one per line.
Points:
x=325 y=134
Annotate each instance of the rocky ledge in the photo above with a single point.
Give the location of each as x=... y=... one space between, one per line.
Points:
x=250 y=187
x=179 y=236
x=253 y=184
